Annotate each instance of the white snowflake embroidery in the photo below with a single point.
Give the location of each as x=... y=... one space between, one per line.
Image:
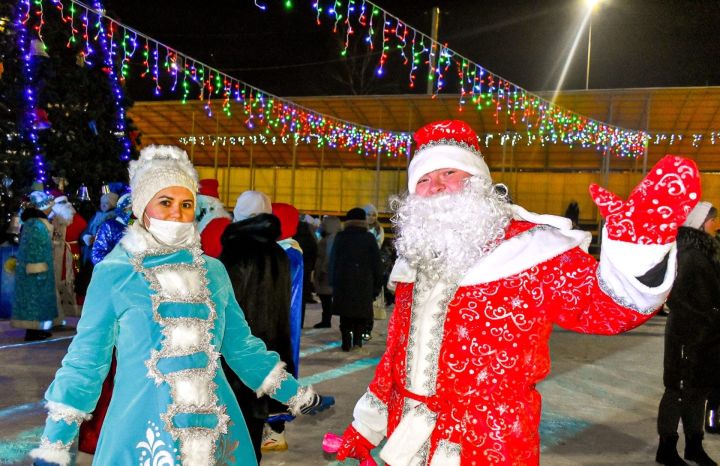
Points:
x=463 y=332
x=482 y=376
x=502 y=408
x=516 y=302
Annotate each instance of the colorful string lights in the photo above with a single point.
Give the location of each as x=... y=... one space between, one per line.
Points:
x=215 y=88
x=478 y=86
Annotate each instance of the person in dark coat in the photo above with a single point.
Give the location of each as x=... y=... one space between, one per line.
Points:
x=305 y=236
x=355 y=277
x=331 y=225
x=259 y=270
x=692 y=339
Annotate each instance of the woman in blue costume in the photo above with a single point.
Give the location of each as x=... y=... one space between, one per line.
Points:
x=170 y=312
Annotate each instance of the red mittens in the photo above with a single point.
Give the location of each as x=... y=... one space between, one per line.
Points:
x=656 y=208
x=354 y=445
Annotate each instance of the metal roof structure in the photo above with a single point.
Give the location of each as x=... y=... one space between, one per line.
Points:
x=682 y=121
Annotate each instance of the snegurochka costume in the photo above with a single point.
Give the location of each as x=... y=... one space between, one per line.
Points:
x=456 y=384
x=169 y=312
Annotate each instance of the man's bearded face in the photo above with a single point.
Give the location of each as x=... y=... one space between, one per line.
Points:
x=63 y=211
x=441 y=235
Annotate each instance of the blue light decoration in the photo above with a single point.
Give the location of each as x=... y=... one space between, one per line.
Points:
x=108 y=48
x=28 y=131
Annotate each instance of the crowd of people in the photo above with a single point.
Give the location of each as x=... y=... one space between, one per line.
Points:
x=197 y=311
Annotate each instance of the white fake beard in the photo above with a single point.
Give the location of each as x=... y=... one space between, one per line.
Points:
x=64 y=213
x=443 y=235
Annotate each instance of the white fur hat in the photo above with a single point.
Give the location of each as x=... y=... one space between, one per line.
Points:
x=157 y=168
x=696 y=218
x=251 y=203
x=446 y=144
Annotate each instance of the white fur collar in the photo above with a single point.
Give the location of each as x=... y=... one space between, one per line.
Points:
x=138 y=240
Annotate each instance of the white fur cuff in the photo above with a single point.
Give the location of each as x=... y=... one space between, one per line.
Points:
x=274 y=379
x=56 y=452
x=303 y=397
x=62 y=412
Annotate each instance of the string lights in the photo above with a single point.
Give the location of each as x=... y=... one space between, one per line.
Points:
x=544 y=121
x=263 y=112
x=22 y=16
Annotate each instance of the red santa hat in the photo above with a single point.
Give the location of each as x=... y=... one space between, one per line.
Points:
x=446 y=144
x=209 y=187
x=289 y=219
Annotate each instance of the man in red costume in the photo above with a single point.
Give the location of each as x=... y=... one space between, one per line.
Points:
x=211 y=216
x=479 y=285
x=67 y=227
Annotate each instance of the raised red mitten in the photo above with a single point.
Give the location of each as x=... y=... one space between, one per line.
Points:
x=354 y=445
x=656 y=208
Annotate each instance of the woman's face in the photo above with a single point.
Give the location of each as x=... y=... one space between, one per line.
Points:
x=371 y=218
x=711 y=226
x=174 y=204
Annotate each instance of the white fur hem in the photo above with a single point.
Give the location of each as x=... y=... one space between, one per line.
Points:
x=37 y=267
x=56 y=452
x=274 y=379
x=370 y=418
x=409 y=436
x=446 y=454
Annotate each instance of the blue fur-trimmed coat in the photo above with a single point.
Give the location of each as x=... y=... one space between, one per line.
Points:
x=170 y=314
x=35 y=302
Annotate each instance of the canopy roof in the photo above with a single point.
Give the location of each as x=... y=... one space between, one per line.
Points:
x=674 y=116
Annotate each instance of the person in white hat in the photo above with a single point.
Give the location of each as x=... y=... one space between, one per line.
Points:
x=479 y=285
x=691 y=362
x=169 y=312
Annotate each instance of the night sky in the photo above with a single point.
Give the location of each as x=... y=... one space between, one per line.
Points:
x=635 y=43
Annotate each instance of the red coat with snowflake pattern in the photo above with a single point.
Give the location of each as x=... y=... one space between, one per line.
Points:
x=494 y=350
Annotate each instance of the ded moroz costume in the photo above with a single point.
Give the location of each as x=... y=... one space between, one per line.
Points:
x=468 y=343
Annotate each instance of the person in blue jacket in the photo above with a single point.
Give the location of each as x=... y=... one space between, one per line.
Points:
x=170 y=313
x=112 y=230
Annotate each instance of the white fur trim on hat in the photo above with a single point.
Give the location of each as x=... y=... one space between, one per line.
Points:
x=157 y=168
x=435 y=157
x=698 y=215
x=251 y=203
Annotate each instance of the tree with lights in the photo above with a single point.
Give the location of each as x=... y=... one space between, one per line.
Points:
x=77 y=115
x=15 y=164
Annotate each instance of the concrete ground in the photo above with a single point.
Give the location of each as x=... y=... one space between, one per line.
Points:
x=600 y=401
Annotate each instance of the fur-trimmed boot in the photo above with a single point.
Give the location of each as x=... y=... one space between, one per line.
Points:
x=694 y=450
x=667 y=451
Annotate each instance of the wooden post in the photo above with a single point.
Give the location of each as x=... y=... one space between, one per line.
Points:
x=227 y=179
x=217 y=143
x=292 y=174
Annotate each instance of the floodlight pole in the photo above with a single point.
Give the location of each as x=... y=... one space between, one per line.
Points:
x=587 y=70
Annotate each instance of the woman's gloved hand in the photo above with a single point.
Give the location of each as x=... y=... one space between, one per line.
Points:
x=319 y=403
